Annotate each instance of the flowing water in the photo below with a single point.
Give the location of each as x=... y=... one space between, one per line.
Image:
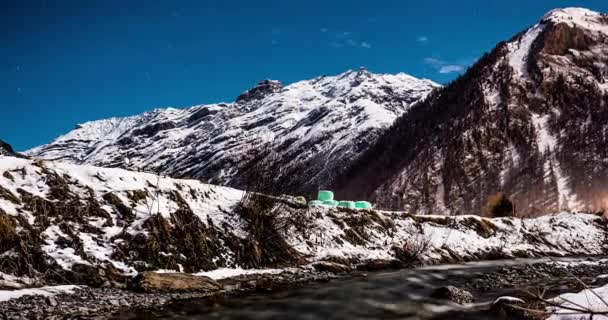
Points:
x=402 y=294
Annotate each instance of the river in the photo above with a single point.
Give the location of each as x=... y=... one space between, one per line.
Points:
x=402 y=294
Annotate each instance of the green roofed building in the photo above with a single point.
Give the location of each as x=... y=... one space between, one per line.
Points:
x=315 y=203
x=325 y=195
x=363 y=205
x=330 y=203
x=325 y=198
x=347 y=204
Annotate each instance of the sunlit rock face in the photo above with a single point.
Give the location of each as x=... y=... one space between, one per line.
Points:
x=529 y=119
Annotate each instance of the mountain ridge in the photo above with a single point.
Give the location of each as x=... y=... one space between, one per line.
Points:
x=312 y=128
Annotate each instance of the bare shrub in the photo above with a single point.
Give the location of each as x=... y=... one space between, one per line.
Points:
x=414 y=248
x=268 y=214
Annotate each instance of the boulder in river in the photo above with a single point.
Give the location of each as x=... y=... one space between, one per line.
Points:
x=453 y=294
x=152 y=282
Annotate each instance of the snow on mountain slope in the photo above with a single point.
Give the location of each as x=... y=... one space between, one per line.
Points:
x=315 y=127
x=528 y=119
x=79 y=224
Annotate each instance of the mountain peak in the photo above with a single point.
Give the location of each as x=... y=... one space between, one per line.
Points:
x=578 y=17
x=260 y=90
x=359 y=73
x=570 y=13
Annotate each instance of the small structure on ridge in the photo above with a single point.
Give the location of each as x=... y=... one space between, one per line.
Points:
x=325 y=198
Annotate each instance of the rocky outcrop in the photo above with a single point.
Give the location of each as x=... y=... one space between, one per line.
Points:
x=7 y=150
x=152 y=282
x=260 y=91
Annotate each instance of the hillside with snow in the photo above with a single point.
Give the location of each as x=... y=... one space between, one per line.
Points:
x=70 y=224
x=310 y=129
x=528 y=119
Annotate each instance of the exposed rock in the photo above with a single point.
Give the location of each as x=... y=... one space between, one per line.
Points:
x=453 y=294
x=331 y=267
x=87 y=274
x=260 y=91
x=51 y=301
x=7 y=150
x=152 y=282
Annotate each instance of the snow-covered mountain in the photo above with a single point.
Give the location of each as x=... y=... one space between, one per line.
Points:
x=529 y=119
x=313 y=128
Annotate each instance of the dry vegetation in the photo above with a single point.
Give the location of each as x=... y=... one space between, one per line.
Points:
x=263 y=209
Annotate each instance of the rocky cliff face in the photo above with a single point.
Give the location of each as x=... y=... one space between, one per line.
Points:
x=7 y=150
x=309 y=130
x=529 y=119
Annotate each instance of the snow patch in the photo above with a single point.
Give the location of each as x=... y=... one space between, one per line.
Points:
x=546 y=141
x=223 y=273
x=567 y=200
x=593 y=300
x=508 y=299
x=519 y=50
x=44 y=291
x=65 y=257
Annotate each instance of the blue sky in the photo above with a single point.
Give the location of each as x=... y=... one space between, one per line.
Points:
x=67 y=62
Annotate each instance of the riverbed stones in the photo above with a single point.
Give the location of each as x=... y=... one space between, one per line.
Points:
x=101 y=303
x=453 y=294
x=152 y=282
x=522 y=275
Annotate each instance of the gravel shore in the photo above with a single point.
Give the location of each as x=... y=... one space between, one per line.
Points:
x=98 y=303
